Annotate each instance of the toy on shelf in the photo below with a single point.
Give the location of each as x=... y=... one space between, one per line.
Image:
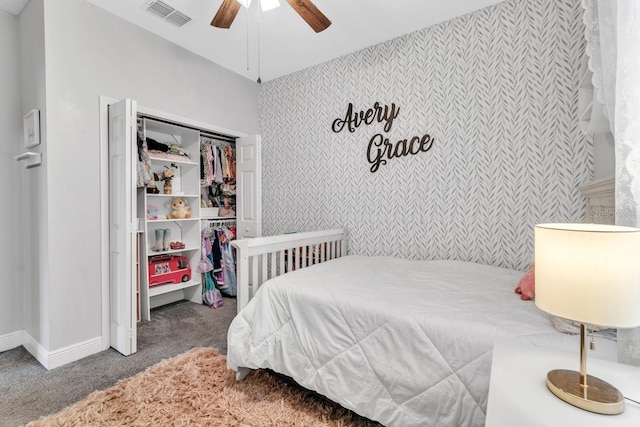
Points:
x=168 y=269
x=167 y=175
x=227 y=209
x=176 y=245
x=152 y=212
x=180 y=208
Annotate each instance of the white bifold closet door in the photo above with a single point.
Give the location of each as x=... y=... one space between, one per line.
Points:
x=248 y=187
x=123 y=227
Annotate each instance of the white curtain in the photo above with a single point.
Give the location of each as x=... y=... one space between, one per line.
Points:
x=613 y=46
x=600 y=33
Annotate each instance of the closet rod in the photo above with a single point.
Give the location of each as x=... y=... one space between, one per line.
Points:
x=213 y=226
x=214 y=222
x=203 y=132
x=217 y=140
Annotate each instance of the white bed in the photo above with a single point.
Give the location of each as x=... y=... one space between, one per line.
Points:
x=405 y=343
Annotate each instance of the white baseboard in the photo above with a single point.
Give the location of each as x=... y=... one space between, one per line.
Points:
x=11 y=340
x=74 y=352
x=36 y=349
x=62 y=356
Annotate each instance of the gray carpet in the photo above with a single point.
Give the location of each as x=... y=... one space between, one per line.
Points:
x=28 y=391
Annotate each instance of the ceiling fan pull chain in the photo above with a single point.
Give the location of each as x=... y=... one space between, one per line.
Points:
x=247 y=39
x=259 y=79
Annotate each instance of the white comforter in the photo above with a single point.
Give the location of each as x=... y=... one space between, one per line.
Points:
x=405 y=343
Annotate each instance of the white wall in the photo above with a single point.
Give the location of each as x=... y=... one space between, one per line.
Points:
x=10 y=141
x=33 y=181
x=91 y=53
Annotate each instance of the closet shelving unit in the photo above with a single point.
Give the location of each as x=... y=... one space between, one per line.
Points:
x=185 y=183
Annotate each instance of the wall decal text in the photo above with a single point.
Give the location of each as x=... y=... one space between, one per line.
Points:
x=379 y=148
x=353 y=120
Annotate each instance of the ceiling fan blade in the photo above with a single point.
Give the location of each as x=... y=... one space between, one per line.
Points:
x=310 y=13
x=226 y=14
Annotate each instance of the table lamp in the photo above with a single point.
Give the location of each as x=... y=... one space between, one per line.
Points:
x=588 y=273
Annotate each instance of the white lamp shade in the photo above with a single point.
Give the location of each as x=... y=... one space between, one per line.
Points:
x=589 y=273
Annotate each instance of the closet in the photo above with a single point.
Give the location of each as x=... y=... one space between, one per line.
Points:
x=173 y=181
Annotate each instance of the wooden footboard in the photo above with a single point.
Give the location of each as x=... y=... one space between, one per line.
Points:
x=263 y=258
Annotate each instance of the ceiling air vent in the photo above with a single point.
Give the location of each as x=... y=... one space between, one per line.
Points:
x=178 y=18
x=167 y=12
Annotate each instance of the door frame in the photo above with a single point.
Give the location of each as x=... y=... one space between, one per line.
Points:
x=104 y=102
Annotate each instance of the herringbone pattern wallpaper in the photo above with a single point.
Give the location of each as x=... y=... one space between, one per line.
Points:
x=497 y=89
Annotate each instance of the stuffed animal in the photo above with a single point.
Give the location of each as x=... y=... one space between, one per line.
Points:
x=180 y=208
x=527 y=286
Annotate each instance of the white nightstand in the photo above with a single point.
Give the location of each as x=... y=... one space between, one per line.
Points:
x=518 y=394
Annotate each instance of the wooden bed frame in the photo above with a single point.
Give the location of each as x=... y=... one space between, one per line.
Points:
x=263 y=258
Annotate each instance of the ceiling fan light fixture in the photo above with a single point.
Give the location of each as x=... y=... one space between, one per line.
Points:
x=264 y=4
x=269 y=4
x=305 y=8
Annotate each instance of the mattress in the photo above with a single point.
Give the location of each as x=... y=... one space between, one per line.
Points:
x=405 y=343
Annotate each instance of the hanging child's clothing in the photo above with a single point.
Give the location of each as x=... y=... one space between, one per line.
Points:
x=210 y=294
x=218 y=175
x=206 y=165
x=219 y=264
x=228 y=262
x=145 y=173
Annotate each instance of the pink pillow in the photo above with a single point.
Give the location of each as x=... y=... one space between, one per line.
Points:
x=527 y=286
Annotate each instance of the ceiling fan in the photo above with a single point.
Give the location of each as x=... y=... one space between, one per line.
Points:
x=305 y=8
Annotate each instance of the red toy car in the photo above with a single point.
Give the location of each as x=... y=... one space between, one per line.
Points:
x=168 y=269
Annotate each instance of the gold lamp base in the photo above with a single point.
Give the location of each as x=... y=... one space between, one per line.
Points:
x=598 y=396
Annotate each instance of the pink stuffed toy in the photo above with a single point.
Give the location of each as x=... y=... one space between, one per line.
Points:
x=527 y=286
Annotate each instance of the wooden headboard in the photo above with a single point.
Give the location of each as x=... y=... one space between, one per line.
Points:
x=601 y=202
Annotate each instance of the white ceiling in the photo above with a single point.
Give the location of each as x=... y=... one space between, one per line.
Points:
x=286 y=42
